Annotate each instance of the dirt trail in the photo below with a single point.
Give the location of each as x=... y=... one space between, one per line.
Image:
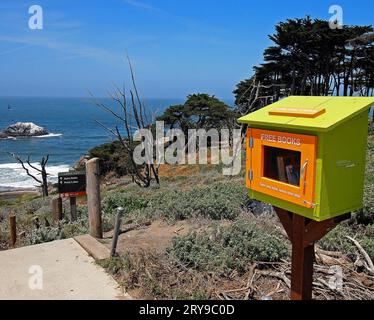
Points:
x=155 y=237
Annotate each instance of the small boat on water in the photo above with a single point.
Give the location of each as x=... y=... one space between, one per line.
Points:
x=9 y=107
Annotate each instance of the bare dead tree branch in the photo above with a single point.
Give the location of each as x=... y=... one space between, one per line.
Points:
x=133 y=117
x=21 y=162
x=369 y=263
x=136 y=91
x=41 y=171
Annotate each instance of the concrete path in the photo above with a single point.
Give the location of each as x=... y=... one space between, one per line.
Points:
x=63 y=269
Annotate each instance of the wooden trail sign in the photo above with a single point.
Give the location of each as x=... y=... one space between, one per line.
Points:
x=72 y=184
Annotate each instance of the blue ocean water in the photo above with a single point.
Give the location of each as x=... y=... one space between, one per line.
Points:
x=72 y=124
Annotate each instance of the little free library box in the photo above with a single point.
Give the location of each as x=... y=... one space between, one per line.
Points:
x=307 y=155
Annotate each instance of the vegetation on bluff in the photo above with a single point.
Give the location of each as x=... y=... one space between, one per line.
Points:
x=200 y=111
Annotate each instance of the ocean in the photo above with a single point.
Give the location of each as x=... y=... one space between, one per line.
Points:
x=72 y=127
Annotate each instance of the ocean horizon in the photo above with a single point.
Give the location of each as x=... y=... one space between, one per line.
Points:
x=72 y=127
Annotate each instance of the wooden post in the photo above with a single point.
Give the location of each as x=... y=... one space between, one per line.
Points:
x=57 y=209
x=93 y=198
x=117 y=229
x=73 y=208
x=13 y=230
x=304 y=233
x=302 y=262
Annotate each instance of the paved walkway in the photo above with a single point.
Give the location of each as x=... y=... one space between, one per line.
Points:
x=63 y=268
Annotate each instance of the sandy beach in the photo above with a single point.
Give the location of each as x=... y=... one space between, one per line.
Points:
x=14 y=194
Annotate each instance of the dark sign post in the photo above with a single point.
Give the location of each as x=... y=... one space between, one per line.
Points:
x=72 y=185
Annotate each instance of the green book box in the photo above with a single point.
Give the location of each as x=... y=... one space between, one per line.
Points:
x=307 y=154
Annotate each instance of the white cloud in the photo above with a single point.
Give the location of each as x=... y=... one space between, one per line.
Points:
x=74 y=50
x=142 y=5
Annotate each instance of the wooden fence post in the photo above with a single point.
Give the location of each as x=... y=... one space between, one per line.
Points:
x=13 y=230
x=73 y=208
x=93 y=198
x=57 y=209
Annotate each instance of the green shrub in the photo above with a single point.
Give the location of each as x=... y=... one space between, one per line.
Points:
x=370 y=231
x=371 y=129
x=113 y=158
x=368 y=244
x=336 y=240
x=218 y=201
x=127 y=201
x=27 y=208
x=73 y=229
x=78 y=227
x=366 y=215
x=114 y=265
x=44 y=234
x=223 y=249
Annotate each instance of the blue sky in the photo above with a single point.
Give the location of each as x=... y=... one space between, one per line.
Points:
x=177 y=46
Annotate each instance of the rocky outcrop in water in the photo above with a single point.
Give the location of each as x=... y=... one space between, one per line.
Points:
x=23 y=129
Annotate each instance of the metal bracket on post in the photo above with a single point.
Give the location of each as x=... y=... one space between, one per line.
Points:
x=251 y=142
x=250 y=175
x=117 y=230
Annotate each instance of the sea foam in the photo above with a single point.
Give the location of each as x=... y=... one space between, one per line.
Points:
x=49 y=135
x=12 y=175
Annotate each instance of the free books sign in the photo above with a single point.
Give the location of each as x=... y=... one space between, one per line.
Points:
x=282 y=165
x=72 y=184
x=281 y=139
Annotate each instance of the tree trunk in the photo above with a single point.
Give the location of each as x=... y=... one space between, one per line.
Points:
x=45 y=183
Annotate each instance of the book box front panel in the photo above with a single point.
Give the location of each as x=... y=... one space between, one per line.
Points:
x=282 y=165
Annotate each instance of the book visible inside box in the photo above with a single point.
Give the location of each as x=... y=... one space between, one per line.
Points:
x=282 y=165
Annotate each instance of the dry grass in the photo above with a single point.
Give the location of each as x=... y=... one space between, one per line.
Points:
x=152 y=275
